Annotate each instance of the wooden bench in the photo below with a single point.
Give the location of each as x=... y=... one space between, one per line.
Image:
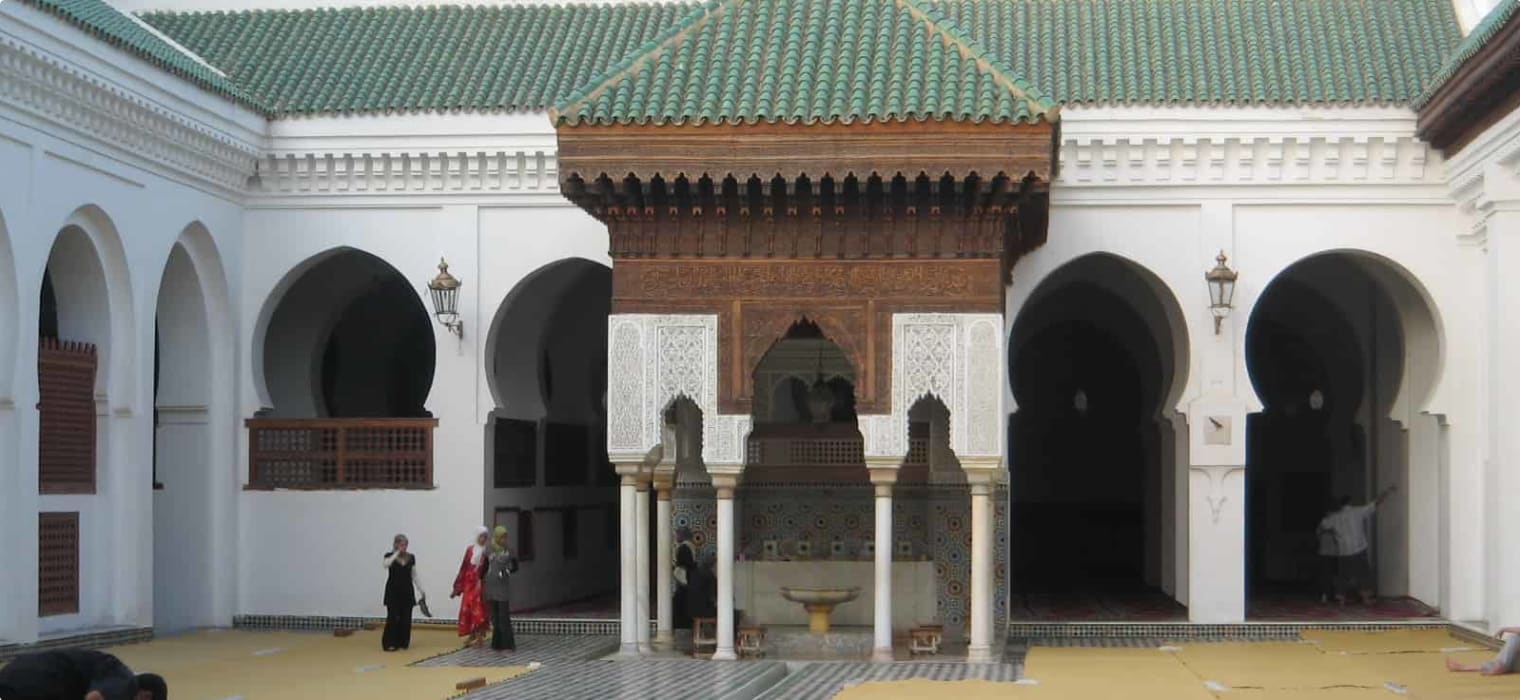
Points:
x=751 y=641
x=925 y=639
x=704 y=635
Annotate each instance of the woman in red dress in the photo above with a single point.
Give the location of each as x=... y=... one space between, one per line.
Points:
x=474 y=623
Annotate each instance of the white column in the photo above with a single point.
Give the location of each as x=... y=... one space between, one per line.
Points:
x=725 y=487
x=641 y=563
x=882 y=642
x=628 y=601
x=664 y=638
x=980 y=649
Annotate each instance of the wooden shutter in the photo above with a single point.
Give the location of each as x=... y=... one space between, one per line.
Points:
x=57 y=564
x=66 y=417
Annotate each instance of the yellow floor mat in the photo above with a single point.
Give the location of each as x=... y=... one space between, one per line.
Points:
x=1390 y=642
x=1276 y=666
x=299 y=666
x=1131 y=673
x=1426 y=678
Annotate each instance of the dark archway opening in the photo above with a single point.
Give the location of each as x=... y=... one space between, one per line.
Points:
x=805 y=422
x=548 y=478
x=1087 y=452
x=349 y=339
x=1325 y=351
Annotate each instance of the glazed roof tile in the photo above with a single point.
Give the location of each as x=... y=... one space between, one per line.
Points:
x=806 y=61
x=530 y=57
x=129 y=34
x=1497 y=18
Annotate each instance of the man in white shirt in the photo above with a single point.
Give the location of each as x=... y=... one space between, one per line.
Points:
x=1349 y=526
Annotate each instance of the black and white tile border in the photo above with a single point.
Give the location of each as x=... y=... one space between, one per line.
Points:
x=824 y=680
x=663 y=679
x=96 y=639
x=530 y=648
x=1265 y=631
x=522 y=625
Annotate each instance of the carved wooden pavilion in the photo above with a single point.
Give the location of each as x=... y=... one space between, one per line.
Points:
x=861 y=164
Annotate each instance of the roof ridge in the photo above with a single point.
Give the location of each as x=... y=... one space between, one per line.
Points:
x=638 y=58
x=1016 y=84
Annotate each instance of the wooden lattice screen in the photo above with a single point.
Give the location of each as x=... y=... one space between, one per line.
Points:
x=57 y=563
x=340 y=453
x=66 y=417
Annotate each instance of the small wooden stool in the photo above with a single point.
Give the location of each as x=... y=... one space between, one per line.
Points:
x=925 y=639
x=751 y=641
x=704 y=635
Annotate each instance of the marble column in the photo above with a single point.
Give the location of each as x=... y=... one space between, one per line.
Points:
x=725 y=484
x=641 y=563
x=664 y=637
x=881 y=647
x=628 y=596
x=980 y=648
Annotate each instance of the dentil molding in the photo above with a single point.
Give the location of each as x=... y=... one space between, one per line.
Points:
x=406 y=172
x=59 y=92
x=1247 y=160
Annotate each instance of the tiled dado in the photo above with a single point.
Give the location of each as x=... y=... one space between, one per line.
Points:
x=935 y=521
x=1094 y=633
x=520 y=625
x=95 y=639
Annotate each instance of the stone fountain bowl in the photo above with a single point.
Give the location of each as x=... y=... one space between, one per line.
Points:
x=820 y=596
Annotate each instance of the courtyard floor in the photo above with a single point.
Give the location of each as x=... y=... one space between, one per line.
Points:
x=229 y=665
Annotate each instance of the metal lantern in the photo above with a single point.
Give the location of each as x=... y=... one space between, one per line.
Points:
x=1221 y=281
x=445 y=289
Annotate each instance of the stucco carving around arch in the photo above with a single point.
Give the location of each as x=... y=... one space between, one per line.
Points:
x=1160 y=310
x=546 y=284
x=10 y=321
x=118 y=377
x=1422 y=383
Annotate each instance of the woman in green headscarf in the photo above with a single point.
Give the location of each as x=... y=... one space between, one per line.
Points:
x=503 y=563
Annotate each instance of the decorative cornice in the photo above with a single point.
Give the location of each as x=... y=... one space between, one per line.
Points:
x=1485 y=177
x=53 y=90
x=1234 y=160
x=424 y=172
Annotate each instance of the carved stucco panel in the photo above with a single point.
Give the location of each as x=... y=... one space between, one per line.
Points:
x=958 y=359
x=625 y=385
x=984 y=386
x=684 y=349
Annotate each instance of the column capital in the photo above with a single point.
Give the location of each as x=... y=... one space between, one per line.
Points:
x=664 y=482
x=644 y=479
x=725 y=478
x=883 y=477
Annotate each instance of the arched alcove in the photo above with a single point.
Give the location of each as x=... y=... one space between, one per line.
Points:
x=1342 y=350
x=347 y=337
x=183 y=545
x=1097 y=360
x=545 y=363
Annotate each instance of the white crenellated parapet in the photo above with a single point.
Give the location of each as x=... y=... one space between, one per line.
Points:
x=959 y=359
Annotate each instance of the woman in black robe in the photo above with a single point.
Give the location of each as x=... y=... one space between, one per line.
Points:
x=402 y=591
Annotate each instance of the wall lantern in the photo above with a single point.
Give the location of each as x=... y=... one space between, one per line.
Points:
x=1221 y=281
x=445 y=289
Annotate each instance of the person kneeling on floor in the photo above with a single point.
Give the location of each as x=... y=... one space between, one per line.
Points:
x=76 y=674
x=1504 y=663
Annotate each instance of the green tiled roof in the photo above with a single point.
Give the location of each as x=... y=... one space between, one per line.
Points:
x=1235 y=52
x=417 y=59
x=113 y=27
x=1497 y=19
x=529 y=57
x=806 y=61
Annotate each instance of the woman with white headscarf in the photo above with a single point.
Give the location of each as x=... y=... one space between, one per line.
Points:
x=474 y=623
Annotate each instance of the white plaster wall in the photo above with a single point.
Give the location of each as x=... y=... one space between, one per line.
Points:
x=51 y=173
